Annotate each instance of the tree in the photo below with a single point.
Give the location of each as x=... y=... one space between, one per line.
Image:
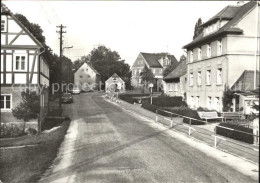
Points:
x=28 y=108
x=147 y=75
x=198 y=30
x=35 y=29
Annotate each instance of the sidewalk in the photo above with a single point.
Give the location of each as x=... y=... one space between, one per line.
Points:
x=203 y=133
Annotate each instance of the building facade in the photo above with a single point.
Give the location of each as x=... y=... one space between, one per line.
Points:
x=228 y=45
x=174 y=83
x=22 y=66
x=157 y=62
x=87 y=78
x=114 y=83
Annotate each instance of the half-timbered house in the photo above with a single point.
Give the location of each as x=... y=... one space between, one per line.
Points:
x=22 y=65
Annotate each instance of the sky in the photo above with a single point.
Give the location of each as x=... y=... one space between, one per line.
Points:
x=128 y=27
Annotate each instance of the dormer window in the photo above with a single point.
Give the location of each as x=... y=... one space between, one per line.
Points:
x=191 y=56
x=3 y=24
x=199 y=53
x=219 y=47
x=209 y=51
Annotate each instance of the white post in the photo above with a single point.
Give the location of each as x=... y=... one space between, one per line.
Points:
x=156 y=118
x=171 y=121
x=151 y=96
x=189 y=130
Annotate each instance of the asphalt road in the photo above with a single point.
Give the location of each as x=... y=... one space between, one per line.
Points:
x=106 y=144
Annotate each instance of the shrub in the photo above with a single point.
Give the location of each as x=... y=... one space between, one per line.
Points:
x=166 y=101
x=8 y=131
x=130 y=97
x=234 y=134
x=31 y=131
x=184 y=111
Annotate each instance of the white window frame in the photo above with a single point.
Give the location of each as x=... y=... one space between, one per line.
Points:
x=160 y=71
x=219 y=76
x=176 y=87
x=191 y=56
x=220 y=48
x=25 y=63
x=4 y=18
x=192 y=103
x=153 y=70
x=7 y=109
x=199 y=78
x=199 y=53
x=191 y=79
x=209 y=102
x=208 y=79
x=217 y=103
x=209 y=51
x=197 y=101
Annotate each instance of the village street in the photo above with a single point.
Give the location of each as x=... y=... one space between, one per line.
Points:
x=106 y=144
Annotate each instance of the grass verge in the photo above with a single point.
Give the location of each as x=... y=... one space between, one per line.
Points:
x=27 y=164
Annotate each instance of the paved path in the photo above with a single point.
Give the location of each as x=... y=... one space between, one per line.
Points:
x=106 y=144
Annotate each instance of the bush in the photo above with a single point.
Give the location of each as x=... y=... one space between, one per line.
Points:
x=184 y=111
x=165 y=101
x=9 y=131
x=130 y=97
x=234 y=134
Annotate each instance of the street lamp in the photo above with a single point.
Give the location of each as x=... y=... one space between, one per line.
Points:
x=68 y=47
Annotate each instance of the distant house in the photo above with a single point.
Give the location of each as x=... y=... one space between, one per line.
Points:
x=221 y=53
x=113 y=83
x=22 y=65
x=175 y=82
x=87 y=78
x=157 y=62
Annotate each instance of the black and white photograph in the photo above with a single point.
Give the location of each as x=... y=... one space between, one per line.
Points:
x=128 y=91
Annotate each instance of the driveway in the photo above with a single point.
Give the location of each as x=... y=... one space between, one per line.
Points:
x=106 y=144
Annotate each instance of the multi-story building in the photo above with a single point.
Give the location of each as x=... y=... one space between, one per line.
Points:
x=228 y=45
x=87 y=78
x=22 y=65
x=157 y=62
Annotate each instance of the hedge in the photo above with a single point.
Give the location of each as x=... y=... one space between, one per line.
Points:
x=234 y=134
x=169 y=101
x=130 y=97
x=184 y=111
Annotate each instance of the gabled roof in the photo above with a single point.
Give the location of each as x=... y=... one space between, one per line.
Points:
x=246 y=81
x=229 y=13
x=114 y=76
x=179 y=71
x=152 y=59
x=6 y=11
x=89 y=66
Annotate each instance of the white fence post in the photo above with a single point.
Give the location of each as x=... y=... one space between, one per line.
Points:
x=190 y=128
x=171 y=121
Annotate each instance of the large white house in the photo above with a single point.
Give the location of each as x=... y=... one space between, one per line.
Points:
x=22 y=65
x=227 y=47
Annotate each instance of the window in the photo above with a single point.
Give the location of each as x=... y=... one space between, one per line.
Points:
x=80 y=76
x=175 y=87
x=153 y=71
x=191 y=56
x=209 y=103
x=191 y=79
x=6 y=102
x=219 y=76
x=209 y=51
x=217 y=103
x=20 y=62
x=160 y=71
x=199 y=78
x=199 y=53
x=197 y=101
x=3 y=24
x=208 y=77
x=220 y=47
x=192 y=102
x=135 y=72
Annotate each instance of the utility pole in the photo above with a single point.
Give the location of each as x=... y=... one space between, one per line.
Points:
x=61 y=32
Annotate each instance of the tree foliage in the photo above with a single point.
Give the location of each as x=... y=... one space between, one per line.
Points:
x=147 y=75
x=198 y=29
x=35 y=29
x=29 y=107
